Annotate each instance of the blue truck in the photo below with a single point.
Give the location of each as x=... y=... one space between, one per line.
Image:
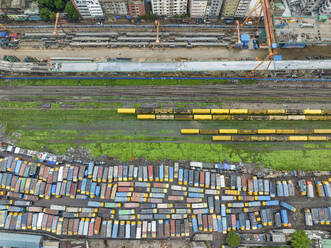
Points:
x=288 y=206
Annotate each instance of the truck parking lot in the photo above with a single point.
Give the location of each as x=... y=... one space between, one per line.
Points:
x=146 y=200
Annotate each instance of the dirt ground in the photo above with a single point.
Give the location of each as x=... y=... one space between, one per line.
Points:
x=168 y=54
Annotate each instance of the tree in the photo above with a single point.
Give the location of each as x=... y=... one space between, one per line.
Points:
x=52 y=16
x=44 y=14
x=59 y=4
x=71 y=11
x=49 y=4
x=233 y=239
x=299 y=239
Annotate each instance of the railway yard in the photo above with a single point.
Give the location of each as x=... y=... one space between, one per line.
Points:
x=166 y=135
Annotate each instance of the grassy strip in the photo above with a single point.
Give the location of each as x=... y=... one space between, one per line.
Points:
x=113 y=82
x=95 y=129
x=312 y=159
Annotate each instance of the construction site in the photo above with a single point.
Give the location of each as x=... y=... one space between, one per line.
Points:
x=166 y=134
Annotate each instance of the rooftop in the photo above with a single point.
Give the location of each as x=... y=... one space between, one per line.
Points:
x=19 y=240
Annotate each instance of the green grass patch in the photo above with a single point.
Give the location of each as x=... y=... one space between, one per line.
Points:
x=113 y=82
x=105 y=132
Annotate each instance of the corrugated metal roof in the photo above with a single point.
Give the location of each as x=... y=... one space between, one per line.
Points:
x=20 y=240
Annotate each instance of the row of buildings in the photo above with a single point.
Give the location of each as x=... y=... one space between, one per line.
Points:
x=320 y=7
x=135 y=8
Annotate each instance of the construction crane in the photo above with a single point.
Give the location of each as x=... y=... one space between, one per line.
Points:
x=238 y=44
x=157 y=42
x=56 y=22
x=264 y=6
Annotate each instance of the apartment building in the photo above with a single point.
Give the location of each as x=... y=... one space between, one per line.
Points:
x=205 y=8
x=310 y=6
x=198 y=8
x=114 y=7
x=169 y=7
x=235 y=8
x=325 y=8
x=88 y=9
x=136 y=8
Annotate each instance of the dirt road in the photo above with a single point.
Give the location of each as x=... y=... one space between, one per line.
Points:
x=168 y=54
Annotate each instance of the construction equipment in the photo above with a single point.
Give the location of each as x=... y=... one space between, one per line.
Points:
x=157 y=42
x=56 y=22
x=264 y=6
x=238 y=44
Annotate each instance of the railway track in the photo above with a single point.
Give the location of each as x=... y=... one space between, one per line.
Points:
x=174 y=91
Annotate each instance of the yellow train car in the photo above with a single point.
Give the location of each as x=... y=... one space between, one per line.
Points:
x=220 y=111
x=165 y=117
x=322 y=131
x=183 y=117
x=126 y=110
x=278 y=138
x=276 y=111
x=260 y=138
x=221 y=138
x=297 y=138
x=258 y=117
x=296 y=117
x=238 y=111
x=285 y=131
x=247 y=131
x=228 y=131
x=202 y=117
x=317 y=117
x=164 y=111
x=241 y=117
x=318 y=138
x=277 y=117
x=241 y=138
x=189 y=131
x=257 y=111
x=266 y=131
x=313 y=111
x=303 y=131
x=146 y=117
x=221 y=117
x=208 y=132
x=201 y=111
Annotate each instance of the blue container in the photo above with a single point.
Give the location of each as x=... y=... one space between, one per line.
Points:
x=195 y=224
x=161 y=171
x=278 y=57
x=18 y=166
x=3 y=34
x=284 y=217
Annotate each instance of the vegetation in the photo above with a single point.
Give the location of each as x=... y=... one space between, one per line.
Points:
x=114 y=82
x=49 y=8
x=233 y=239
x=97 y=126
x=71 y=11
x=299 y=239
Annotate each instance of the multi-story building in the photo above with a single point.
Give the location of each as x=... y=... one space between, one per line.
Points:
x=137 y=8
x=169 y=7
x=115 y=7
x=310 y=6
x=325 y=8
x=205 y=8
x=88 y=8
x=198 y=8
x=242 y=8
x=235 y=8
